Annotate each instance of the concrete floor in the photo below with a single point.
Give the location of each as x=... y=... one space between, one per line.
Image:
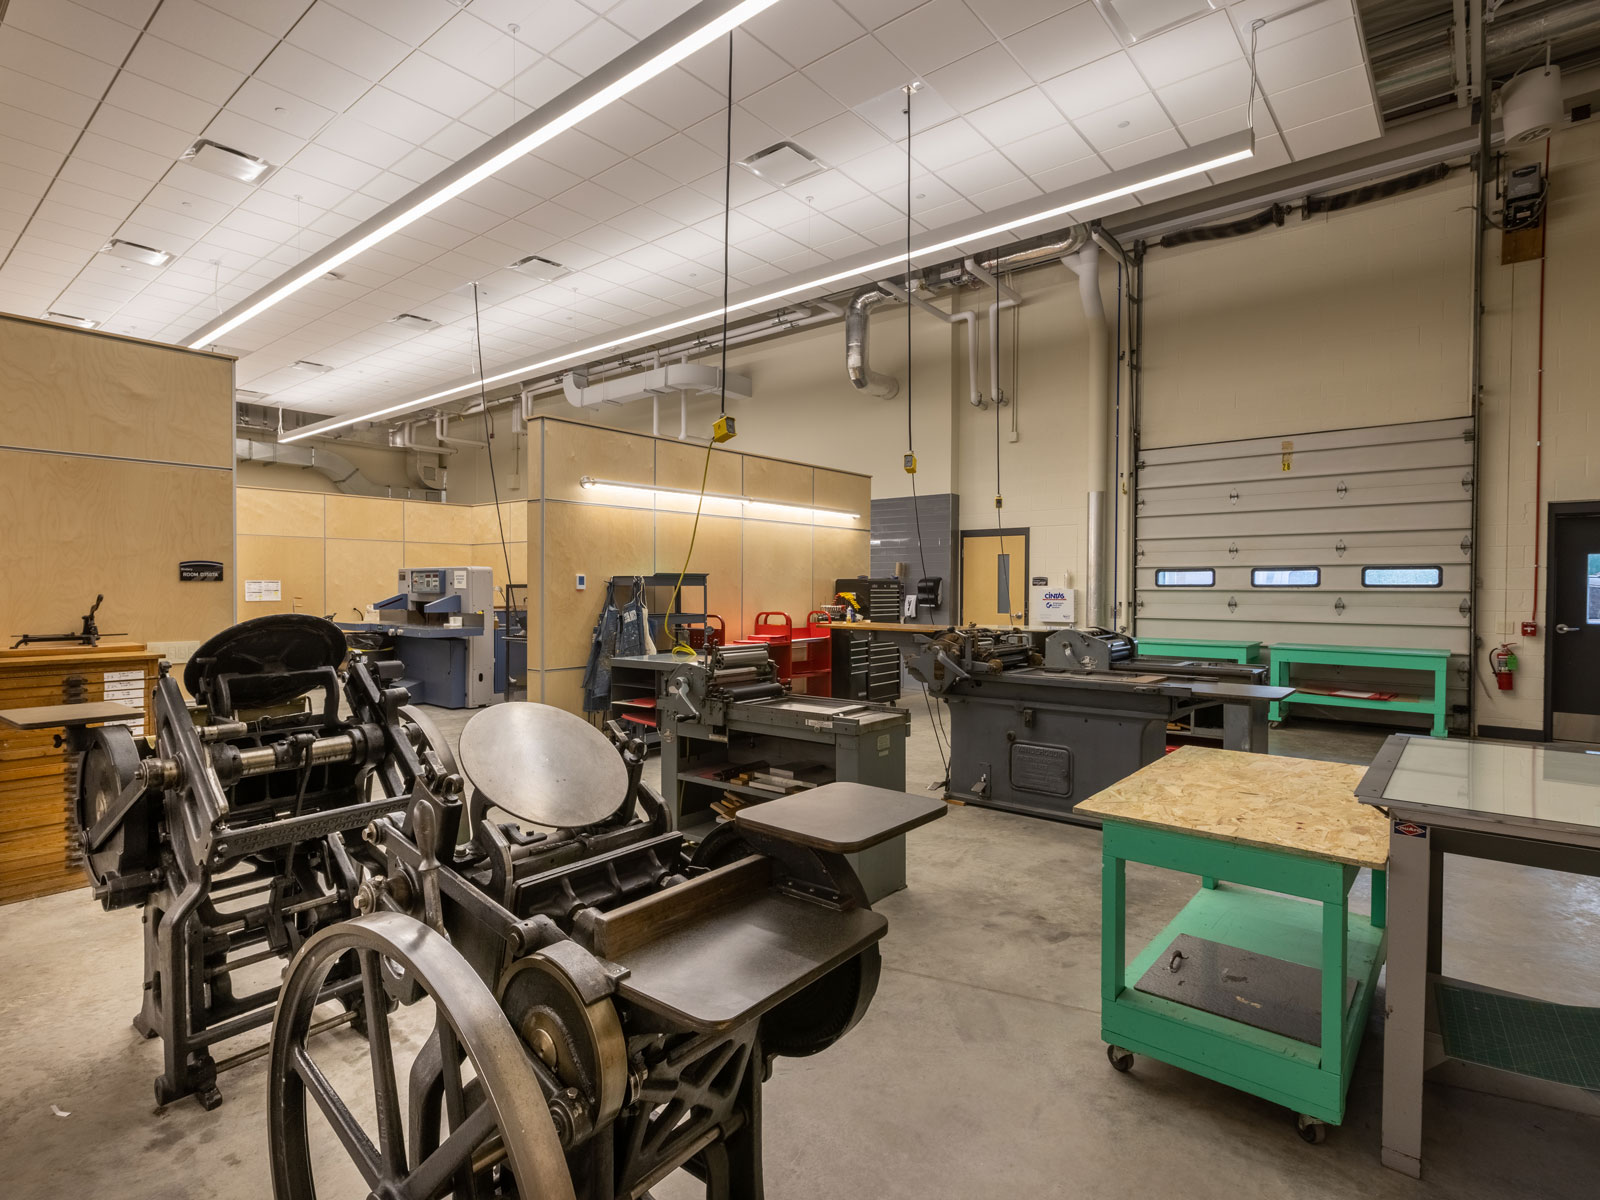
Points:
x=978 y=1072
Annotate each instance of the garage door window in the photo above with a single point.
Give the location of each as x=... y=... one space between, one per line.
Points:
x=1402 y=577
x=1192 y=578
x=1285 y=577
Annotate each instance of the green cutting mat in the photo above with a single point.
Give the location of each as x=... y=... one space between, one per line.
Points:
x=1558 y=1042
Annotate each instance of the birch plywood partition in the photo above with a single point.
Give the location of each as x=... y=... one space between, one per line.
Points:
x=116 y=464
x=756 y=556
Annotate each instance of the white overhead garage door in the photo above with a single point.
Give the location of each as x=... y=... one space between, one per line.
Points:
x=1353 y=537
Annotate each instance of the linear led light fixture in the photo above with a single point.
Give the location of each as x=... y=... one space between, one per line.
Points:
x=669 y=45
x=1235 y=147
x=589 y=481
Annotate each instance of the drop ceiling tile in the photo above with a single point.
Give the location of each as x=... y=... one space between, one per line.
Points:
x=1229 y=120
x=412 y=21
x=470 y=44
x=1101 y=84
x=592 y=47
x=544 y=24
x=359 y=47
x=803 y=33
x=249 y=136
x=1001 y=195
x=1332 y=133
x=439 y=86
x=792 y=104
x=937 y=33
x=494 y=113
x=980 y=173
x=1285 y=21
x=1016 y=117
x=420 y=165
x=135 y=94
x=1063 y=43
x=333 y=167
x=866 y=213
x=887 y=112
x=1126 y=122
x=1270 y=152
x=162 y=62
x=189 y=178
x=356 y=139
x=953 y=142
x=645 y=223
x=1141 y=150
x=860 y=71
x=501 y=199
x=455 y=141
x=166 y=222
x=397 y=114
x=777 y=210
x=626 y=128
x=69 y=24
x=678 y=98
x=1046 y=149
x=1209 y=92
x=212 y=34
x=686 y=205
x=1326 y=51
x=539 y=84
x=1005 y=17
x=1187 y=50
x=53 y=237
x=23 y=53
x=174 y=199
x=140 y=132
x=681 y=157
x=316 y=193
x=104 y=152
x=635 y=180
x=1322 y=98
x=55 y=214
x=839 y=140
x=29 y=157
x=605 y=240
x=749 y=134
x=593 y=201
x=979 y=79
x=947 y=214
x=301 y=73
x=38 y=131
x=269 y=16
x=1071 y=175
x=45 y=99
x=576 y=152
x=557 y=220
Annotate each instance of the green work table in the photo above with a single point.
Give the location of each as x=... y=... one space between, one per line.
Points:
x=1287 y=655
x=1201 y=648
x=1255 y=989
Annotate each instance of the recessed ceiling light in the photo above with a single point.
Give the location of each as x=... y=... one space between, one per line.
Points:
x=248 y=396
x=536 y=266
x=1136 y=19
x=226 y=161
x=148 y=255
x=312 y=368
x=412 y=321
x=783 y=164
x=68 y=319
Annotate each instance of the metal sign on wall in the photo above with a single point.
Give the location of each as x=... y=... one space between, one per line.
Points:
x=200 y=570
x=1350 y=536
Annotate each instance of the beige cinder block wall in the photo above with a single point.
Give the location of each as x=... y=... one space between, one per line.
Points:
x=116 y=464
x=755 y=558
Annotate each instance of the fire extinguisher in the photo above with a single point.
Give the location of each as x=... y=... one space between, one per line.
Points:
x=1504 y=664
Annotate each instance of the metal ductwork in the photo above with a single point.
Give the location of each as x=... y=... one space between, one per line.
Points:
x=862 y=377
x=344 y=473
x=1412 y=51
x=1085 y=264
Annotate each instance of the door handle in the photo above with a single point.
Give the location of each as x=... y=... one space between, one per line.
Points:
x=1569 y=629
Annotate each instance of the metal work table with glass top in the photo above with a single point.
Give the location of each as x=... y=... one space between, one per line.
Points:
x=1509 y=802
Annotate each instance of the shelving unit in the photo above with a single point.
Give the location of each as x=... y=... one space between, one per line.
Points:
x=805 y=661
x=658 y=597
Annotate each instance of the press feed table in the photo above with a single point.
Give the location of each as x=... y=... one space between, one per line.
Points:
x=1260 y=991
x=39 y=851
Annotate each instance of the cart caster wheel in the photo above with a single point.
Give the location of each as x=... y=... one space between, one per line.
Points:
x=1312 y=1131
x=1119 y=1058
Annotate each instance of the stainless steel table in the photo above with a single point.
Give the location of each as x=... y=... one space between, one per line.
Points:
x=1506 y=801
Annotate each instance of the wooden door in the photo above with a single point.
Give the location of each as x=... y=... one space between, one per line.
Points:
x=994 y=577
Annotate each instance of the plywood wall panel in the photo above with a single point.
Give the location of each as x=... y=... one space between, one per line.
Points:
x=359 y=572
x=777 y=570
x=837 y=554
x=437 y=554
x=77 y=527
x=532 y=597
x=455 y=523
x=573 y=451
x=84 y=392
x=718 y=551
x=839 y=489
x=563 y=689
x=295 y=562
x=280 y=514
x=599 y=542
x=491 y=555
x=368 y=518
x=783 y=482
x=683 y=465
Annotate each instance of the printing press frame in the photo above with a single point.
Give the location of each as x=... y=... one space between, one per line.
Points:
x=618 y=990
x=1040 y=720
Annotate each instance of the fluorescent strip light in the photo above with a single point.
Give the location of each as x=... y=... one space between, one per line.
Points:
x=589 y=481
x=1218 y=153
x=447 y=185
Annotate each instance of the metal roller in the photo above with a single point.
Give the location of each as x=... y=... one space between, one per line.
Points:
x=755 y=691
x=741 y=656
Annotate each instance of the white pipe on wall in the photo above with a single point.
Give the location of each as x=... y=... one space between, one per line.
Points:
x=1085 y=264
x=969 y=319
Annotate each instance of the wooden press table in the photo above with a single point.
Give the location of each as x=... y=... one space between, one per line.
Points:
x=1257 y=990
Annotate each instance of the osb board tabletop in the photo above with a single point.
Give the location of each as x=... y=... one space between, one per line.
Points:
x=1292 y=804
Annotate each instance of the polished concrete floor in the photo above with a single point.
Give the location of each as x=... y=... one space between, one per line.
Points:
x=978 y=1072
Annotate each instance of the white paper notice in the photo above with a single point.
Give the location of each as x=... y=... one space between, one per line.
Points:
x=262 y=589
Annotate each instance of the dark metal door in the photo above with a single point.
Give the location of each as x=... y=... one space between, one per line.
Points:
x=1573 y=638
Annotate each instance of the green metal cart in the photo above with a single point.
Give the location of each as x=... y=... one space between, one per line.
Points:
x=1259 y=990
x=1205 y=649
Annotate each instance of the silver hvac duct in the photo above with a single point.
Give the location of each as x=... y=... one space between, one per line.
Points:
x=1085 y=264
x=862 y=377
x=344 y=473
x=1413 y=66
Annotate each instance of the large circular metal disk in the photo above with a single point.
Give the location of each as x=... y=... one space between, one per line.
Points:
x=264 y=648
x=543 y=765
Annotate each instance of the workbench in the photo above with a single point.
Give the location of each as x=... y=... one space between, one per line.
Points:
x=1255 y=989
x=1203 y=649
x=1535 y=805
x=1287 y=655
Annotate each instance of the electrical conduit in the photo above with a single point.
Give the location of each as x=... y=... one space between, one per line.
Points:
x=1085 y=264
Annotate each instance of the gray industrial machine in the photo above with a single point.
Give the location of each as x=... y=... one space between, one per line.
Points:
x=440 y=625
x=1040 y=720
x=732 y=733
